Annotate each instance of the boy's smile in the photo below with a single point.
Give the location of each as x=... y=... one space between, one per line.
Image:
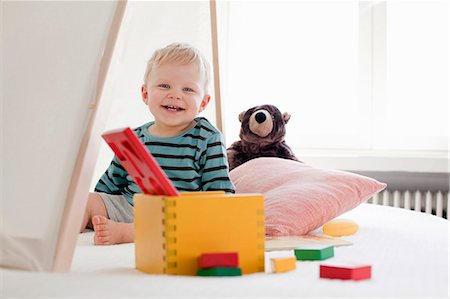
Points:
x=173 y=108
x=175 y=94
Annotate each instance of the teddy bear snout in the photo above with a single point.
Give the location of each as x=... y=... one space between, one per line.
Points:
x=260 y=123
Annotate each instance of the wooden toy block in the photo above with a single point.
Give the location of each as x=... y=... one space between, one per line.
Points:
x=277 y=254
x=340 y=227
x=225 y=259
x=284 y=264
x=139 y=163
x=348 y=272
x=219 y=271
x=314 y=252
x=172 y=232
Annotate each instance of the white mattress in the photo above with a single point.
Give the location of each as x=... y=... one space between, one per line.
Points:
x=408 y=252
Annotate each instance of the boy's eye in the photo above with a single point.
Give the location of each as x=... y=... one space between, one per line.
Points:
x=188 y=89
x=164 y=85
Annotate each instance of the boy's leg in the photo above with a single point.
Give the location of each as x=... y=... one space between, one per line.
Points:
x=94 y=206
x=97 y=217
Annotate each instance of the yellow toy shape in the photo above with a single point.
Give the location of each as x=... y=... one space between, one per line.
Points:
x=283 y=264
x=340 y=227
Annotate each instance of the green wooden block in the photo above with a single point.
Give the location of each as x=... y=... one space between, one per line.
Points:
x=314 y=253
x=219 y=271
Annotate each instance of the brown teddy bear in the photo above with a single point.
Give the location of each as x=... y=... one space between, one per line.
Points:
x=262 y=135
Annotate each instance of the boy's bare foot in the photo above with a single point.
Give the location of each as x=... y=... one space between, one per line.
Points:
x=108 y=232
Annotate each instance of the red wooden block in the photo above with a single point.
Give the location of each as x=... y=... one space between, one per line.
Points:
x=139 y=162
x=353 y=272
x=223 y=259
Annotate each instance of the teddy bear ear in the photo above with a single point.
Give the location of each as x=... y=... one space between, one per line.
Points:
x=241 y=116
x=286 y=117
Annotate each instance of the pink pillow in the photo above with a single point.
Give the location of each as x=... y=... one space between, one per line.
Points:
x=300 y=198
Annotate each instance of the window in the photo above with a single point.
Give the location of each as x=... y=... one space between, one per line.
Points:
x=302 y=57
x=415 y=110
x=359 y=78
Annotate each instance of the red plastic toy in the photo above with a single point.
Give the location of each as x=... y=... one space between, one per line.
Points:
x=225 y=259
x=353 y=272
x=139 y=162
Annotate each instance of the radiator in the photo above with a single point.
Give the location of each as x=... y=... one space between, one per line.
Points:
x=435 y=203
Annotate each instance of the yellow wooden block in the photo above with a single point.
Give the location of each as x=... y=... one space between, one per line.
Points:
x=172 y=232
x=202 y=193
x=340 y=227
x=284 y=264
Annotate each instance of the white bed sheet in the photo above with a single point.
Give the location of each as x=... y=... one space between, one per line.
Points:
x=408 y=251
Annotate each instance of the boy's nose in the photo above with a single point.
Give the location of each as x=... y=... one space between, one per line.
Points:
x=176 y=96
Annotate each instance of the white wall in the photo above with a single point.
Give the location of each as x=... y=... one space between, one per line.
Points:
x=148 y=26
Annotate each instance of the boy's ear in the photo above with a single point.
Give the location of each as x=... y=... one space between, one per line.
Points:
x=204 y=103
x=144 y=93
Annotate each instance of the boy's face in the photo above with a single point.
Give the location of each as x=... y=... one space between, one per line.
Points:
x=175 y=95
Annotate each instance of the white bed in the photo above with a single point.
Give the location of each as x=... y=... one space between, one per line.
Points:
x=408 y=252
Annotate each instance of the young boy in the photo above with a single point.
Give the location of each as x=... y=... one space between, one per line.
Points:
x=188 y=148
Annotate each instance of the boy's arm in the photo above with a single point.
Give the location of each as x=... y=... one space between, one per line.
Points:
x=215 y=171
x=113 y=180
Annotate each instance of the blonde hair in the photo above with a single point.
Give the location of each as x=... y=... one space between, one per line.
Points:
x=179 y=53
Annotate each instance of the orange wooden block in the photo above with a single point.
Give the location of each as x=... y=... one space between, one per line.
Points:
x=284 y=264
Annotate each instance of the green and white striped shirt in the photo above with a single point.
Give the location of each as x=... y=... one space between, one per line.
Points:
x=194 y=161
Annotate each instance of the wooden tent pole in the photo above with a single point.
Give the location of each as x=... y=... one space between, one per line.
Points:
x=215 y=65
x=84 y=167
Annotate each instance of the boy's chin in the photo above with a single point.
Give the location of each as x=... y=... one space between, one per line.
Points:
x=177 y=124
